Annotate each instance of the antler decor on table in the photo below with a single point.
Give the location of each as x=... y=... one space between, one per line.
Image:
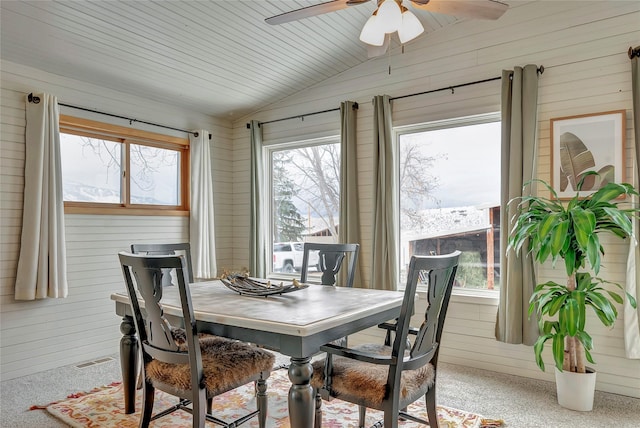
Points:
x=242 y=283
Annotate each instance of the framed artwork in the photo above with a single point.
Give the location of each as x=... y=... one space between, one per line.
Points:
x=588 y=142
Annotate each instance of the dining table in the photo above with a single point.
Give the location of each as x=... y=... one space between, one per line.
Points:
x=295 y=324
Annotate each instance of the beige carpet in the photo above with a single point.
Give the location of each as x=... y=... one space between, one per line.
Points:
x=103 y=408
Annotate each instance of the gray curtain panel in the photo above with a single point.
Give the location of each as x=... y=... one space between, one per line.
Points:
x=384 y=272
x=519 y=119
x=632 y=316
x=42 y=264
x=257 y=249
x=349 y=229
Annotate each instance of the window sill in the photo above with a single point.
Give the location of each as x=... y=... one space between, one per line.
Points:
x=478 y=297
x=117 y=210
x=278 y=276
x=475 y=297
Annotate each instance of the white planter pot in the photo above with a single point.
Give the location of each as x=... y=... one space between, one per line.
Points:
x=575 y=390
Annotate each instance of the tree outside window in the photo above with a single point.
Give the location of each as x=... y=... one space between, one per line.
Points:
x=104 y=169
x=305 y=187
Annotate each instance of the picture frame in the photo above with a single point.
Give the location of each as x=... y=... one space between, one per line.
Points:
x=587 y=142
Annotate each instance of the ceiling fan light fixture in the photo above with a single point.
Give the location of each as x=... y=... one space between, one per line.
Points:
x=390 y=16
x=410 y=28
x=371 y=33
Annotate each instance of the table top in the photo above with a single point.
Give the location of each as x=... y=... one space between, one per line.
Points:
x=301 y=313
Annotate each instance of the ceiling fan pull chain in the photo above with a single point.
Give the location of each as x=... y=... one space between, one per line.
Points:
x=389 y=53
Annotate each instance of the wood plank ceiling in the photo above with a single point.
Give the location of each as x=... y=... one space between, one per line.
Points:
x=216 y=57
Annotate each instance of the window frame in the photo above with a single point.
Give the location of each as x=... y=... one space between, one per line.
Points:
x=268 y=150
x=127 y=137
x=466 y=294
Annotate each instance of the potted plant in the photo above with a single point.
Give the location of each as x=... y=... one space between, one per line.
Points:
x=550 y=228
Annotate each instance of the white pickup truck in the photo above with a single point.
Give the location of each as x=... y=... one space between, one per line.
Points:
x=287 y=257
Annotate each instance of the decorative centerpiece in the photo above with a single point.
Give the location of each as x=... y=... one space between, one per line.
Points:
x=242 y=283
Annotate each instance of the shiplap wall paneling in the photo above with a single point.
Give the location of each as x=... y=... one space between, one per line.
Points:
x=583 y=48
x=11 y=185
x=26 y=79
x=45 y=334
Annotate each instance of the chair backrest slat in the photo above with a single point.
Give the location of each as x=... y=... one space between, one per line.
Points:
x=182 y=248
x=331 y=258
x=440 y=272
x=143 y=277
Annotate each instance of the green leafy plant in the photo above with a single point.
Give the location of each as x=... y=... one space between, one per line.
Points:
x=550 y=228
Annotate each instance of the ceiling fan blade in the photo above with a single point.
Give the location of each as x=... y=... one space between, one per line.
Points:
x=476 y=9
x=309 y=11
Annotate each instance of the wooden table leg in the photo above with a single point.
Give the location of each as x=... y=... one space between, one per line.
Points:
x=301 y=402
x=129 y=347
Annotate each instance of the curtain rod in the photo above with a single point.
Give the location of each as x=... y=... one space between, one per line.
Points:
x=36 y=100
x=448 y=88
x=452 y=88
x=302 y=116
x=634 y=52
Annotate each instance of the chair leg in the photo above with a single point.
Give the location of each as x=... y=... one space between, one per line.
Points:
x=430 y=401
x=362 y=413
x=261 y=400
x=391 y=418
x=317 y=423
x=199 y=404
x=140 y=381
x=149 y=393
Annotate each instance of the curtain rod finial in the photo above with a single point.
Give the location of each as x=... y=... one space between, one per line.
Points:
x=633 y=52
x=541 y=69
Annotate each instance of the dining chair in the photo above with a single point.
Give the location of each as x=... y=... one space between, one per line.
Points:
x=181 y=362
x=330 y=258
x=169 y=277
x=182 y=248
x=389 y=378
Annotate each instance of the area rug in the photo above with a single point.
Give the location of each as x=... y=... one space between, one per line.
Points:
x=103 y=407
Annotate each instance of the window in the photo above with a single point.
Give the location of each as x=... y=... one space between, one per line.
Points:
x=108 y=168
x=304 y=185
x=450 y=196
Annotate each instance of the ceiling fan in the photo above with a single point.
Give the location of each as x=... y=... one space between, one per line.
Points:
x=475 y=9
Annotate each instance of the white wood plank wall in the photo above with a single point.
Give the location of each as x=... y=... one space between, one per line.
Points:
x=582 y=46
x=39 y=335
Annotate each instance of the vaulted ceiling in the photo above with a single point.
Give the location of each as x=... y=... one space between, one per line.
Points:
x=216 y=57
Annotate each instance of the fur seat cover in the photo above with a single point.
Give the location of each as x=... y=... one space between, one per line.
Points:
x=227 y=364
x=366 y=384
